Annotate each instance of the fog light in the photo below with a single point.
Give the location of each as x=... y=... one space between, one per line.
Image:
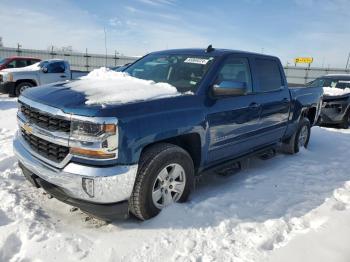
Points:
x=88 y=186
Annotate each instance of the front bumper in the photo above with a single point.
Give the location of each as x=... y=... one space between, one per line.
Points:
x=7 y=88
x=107 y=212
x=111 y=184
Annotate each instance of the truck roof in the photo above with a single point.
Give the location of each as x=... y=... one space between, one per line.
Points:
x=214 y=52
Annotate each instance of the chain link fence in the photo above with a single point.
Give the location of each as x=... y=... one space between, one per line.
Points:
x=87 y=62
x=303 y=75
x=78 y=61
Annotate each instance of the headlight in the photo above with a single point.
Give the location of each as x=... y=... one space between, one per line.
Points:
x=87 y=131
x=7 y=77
x=94 y=140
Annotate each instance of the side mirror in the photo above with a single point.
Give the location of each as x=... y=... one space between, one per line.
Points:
x=229 y=88
x=44 y=70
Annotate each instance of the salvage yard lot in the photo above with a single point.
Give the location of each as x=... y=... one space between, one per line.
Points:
x=289 y=208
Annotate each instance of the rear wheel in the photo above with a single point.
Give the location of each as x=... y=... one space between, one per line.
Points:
x=300 y=138
x=22 y=86
x=165 y=176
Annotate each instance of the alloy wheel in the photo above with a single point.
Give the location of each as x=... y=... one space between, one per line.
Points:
x=169 y=185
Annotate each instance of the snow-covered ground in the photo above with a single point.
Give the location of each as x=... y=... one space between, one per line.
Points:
x=289 y=208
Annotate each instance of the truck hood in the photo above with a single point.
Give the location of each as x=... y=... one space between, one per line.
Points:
x=29 y=69
x=71 y=101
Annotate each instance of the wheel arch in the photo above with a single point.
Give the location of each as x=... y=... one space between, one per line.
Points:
x=32 y=81
x=309 y=113
x=190 y=142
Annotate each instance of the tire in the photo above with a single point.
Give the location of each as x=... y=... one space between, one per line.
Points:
x=300 y=138
x=346 y=121
x=157 y=162
x=22 y=86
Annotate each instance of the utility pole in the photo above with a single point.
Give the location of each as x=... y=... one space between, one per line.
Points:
x=347 y=62
x=19 y=49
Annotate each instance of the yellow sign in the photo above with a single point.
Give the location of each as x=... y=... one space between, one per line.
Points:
x=303 y=60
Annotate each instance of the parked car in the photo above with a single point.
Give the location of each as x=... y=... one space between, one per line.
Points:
x=141 y=156
x=336 y=105
x=15 y=81
x=17 y=62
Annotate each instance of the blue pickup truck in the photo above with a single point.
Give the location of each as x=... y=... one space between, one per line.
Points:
x=138 y=157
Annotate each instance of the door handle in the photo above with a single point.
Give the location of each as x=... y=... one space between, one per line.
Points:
x=63 y=76
x=254 y=105
x=285 y=100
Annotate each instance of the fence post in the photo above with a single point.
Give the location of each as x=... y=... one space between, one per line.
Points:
x=52 y=53
x=87 y=60
x=115 y=58
x=18 y=49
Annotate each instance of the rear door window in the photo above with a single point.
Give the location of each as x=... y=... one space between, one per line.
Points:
x=269 y=75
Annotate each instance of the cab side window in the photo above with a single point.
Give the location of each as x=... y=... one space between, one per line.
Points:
x=20 y=63
x=236 y=70
x=56 y=67
x=12 y=64
x=30 y=62
x=269 y=75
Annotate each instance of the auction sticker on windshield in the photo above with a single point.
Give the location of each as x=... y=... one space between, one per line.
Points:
x=193 y=60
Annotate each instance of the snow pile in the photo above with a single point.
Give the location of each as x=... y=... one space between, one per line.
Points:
x=333 y=91
x=290 y=208
x=105 y=86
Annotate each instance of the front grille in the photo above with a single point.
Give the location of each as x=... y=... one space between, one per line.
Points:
x=44 y=148
x=47 y=121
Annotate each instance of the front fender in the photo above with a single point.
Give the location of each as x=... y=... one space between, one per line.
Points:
x=19 y=76
x=136 y=134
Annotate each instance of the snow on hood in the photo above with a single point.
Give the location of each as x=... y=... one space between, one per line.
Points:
x=333 y=91
x=105 y=86
x=33 y=67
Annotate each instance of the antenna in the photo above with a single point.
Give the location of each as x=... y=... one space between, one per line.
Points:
x=209 y=49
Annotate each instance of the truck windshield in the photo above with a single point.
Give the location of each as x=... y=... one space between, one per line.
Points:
x=3 y=61
x=185 y=72
x=329 y=82
x=43 y=64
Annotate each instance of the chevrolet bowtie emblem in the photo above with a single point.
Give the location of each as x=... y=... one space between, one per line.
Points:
x=27 y=128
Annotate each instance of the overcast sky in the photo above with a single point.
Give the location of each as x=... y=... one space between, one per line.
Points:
x=288 y=29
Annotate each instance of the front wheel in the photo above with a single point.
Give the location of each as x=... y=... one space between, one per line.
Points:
x=300 y=138
x=21 y=87
x=165 y=176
